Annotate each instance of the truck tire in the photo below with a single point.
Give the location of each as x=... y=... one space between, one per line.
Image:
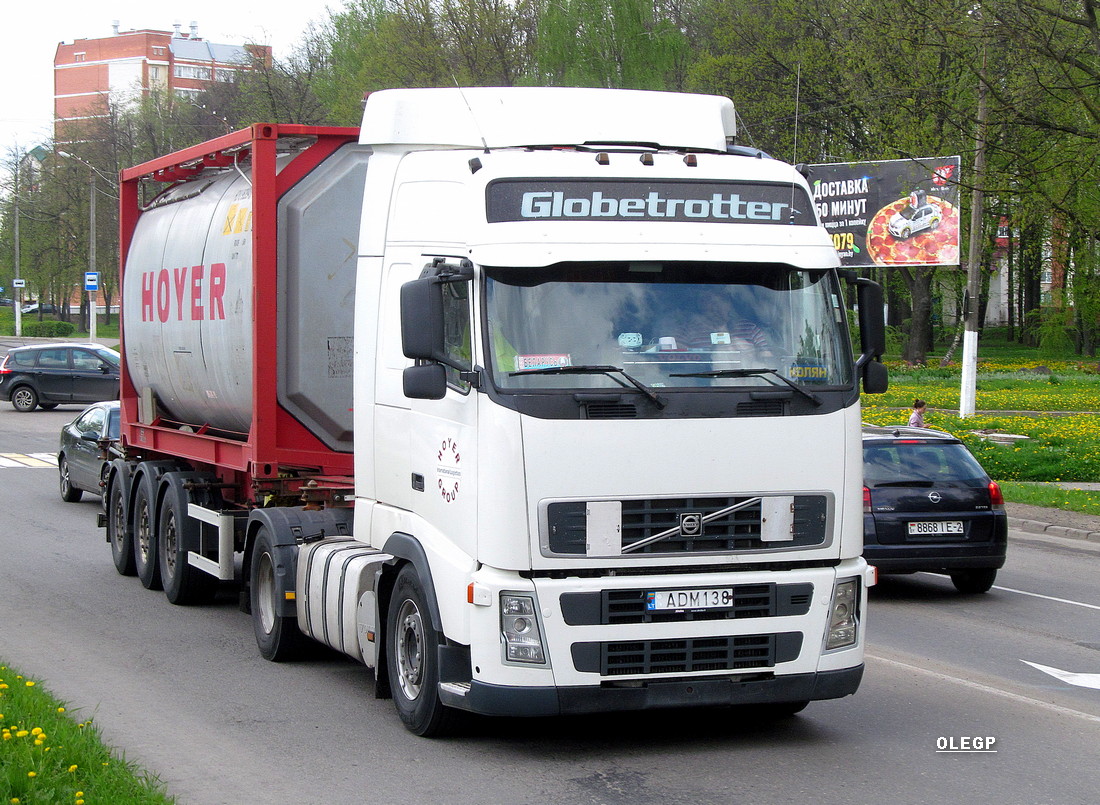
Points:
x=145 y=536
x=412 y=659
x=177 y=533
x=277 y=636
x=118 y=530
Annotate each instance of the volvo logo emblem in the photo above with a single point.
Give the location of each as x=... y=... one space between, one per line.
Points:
x=691 y=524
x=934 y=497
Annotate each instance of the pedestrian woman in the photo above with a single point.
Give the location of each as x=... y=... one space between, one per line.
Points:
x=916 y=419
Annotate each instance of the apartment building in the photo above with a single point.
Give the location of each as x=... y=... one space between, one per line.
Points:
x=129 y=64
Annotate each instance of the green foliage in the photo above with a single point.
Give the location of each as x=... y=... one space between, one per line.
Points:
x=631 y=44
x=47 y=329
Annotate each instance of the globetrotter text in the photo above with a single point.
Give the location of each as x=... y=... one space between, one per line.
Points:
x=195 y=294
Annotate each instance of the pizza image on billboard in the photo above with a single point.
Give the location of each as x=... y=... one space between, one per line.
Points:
x=916 y=230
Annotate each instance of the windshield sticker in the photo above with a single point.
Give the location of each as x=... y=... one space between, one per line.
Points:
x=698 y=202
x=526 y=363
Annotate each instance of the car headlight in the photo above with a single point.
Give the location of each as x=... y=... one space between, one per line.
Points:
x=843 y=615
x=519 y=626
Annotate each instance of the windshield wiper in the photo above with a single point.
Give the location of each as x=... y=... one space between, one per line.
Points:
x=595 y=369
x=809 y=395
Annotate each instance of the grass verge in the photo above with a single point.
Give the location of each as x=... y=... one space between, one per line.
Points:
x=1052 y=497
x=48 y=757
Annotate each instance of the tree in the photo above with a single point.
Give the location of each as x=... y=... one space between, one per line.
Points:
x=629 y=44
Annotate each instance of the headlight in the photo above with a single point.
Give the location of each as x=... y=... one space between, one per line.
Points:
x=520 y=627
x=843 y=615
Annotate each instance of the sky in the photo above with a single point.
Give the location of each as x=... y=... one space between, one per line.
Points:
x=32 y=33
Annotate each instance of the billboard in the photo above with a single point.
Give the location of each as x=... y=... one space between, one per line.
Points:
x=890 y=212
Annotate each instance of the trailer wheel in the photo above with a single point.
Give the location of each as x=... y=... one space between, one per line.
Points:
x=118 y=531
x=277 y=636
x=145 y=537
x=413 y=661
x=177 y=533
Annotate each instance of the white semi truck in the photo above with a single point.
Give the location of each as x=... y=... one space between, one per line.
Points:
x=537 y=401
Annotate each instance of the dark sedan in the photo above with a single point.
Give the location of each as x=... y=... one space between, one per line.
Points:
x=80 y=456
x=929 y=506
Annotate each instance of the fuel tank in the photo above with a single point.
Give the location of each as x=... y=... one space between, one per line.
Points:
x=188 y=295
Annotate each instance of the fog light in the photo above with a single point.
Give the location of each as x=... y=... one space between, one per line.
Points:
x=843 y=615
x=520 y=627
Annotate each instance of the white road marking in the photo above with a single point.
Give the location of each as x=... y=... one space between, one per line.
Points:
x=1048 y=598
x=978 y=686
x=37 y=460
x=1069 y=677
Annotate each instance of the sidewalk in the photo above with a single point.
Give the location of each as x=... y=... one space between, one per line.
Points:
x=1053 y=522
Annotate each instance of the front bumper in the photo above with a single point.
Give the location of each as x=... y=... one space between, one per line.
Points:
x=500 y=700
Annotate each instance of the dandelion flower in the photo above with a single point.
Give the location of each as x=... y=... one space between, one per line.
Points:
x=72 y=768
x=22 y=734
x=61 y=709
x=36 y=731
x=32 y=774
x=30 y=683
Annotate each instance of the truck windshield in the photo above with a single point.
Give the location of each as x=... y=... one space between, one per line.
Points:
x=665 y=325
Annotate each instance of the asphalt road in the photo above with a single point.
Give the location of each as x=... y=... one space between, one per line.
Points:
x=184 y=692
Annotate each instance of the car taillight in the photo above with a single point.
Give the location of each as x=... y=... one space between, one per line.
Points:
x=4 y=370
x=996 y=497
x=866 y=500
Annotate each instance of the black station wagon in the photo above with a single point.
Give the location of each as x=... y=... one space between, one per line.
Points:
x=929 y=506
x=49 y=375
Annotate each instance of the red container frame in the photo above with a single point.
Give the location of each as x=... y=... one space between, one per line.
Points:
x=277 y=445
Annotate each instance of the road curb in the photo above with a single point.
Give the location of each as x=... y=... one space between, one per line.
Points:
x=1037 y=527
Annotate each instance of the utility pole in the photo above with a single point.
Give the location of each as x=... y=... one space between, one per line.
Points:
x=969 y=389
x=94 y=294
x=17 y=304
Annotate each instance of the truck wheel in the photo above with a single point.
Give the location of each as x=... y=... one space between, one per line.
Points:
x=972 y=582
x=118 y=531
x=278 y=637
x=412 y=659
x=69 y=493
x=145 y=537
x=24 y=399
x=177 y=533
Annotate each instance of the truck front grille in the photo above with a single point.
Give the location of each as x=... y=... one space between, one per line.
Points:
x=686 y=655
x=607 y=607
x=735 y=530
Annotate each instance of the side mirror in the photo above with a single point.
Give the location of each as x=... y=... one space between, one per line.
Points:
x=425 y=381
x=872 y=326
x=876 y=378
x=422 y=319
